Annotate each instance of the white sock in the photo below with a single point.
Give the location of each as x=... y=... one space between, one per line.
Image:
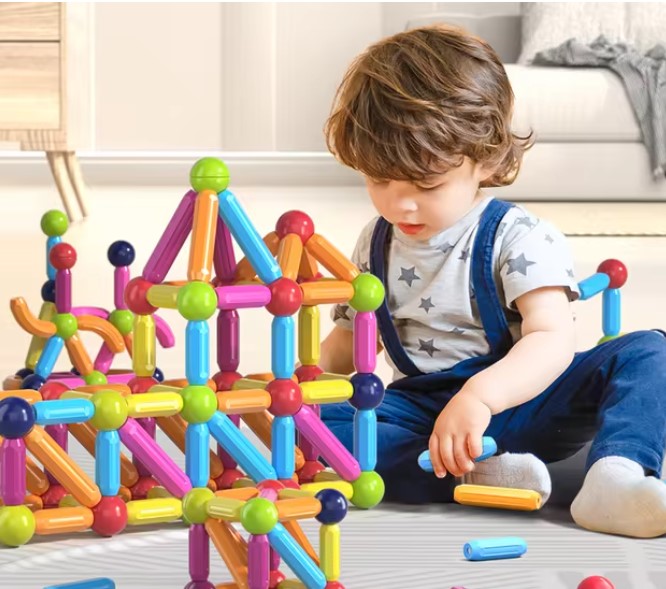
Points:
x=516 y=471
x=617 y=498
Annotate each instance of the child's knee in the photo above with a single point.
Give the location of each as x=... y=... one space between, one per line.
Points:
x=650 y=343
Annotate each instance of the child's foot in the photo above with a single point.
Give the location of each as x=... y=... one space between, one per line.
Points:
x=516 y=471
x=617 y=498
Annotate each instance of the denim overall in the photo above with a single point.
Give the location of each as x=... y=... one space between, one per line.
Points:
x=614 y=394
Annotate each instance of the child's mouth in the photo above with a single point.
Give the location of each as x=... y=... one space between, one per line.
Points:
x=410 y=228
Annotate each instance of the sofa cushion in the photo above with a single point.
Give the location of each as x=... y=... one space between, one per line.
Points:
x=572 y=104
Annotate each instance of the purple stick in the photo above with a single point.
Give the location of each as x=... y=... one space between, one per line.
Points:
x=148 y=424
x=155 y=458
x=163 y=331
x=121 y=277
x=310 y=452
x=63 y=291
x=172 y=240
x=227 y=461
x=224 y=259
x=365 y=342
x=199 y=553
x=60 y=434
x=228 y=341
x=12 y=472
x=243 y=296
x=258 y=562
x=331 y=449
x=104 y=359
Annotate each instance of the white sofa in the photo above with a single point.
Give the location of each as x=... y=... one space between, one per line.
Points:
x=588 y=143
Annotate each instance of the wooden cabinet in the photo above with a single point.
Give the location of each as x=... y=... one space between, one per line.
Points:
x=39 y=50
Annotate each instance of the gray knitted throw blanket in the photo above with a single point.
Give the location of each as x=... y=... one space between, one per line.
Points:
x=644 y=77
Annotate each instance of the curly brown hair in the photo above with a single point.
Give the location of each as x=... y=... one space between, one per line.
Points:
x=414 y=104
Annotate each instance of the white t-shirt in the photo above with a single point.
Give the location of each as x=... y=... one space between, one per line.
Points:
x=429 y=284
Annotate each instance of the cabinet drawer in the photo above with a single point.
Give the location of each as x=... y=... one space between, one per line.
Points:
x=29 y=86
x=29 y=21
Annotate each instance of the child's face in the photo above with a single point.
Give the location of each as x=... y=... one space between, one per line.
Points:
x=421 y=209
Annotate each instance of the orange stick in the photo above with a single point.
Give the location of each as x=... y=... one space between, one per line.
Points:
x=260 y=424
x=85 y=434
x=289 y=255
x=326 y=291
x=265 y=376
x=36 y=480
x=297 y=532
x=181 y=383
x=129 y=343
x=309 y=267
x=174 y=427
x=29 y=395
x=297 y=508
x=247 y=401
x=78 y=355
x=202 y=245
x=244 y=269
x=32 y=502
x=232 y=549
x=331 y=258
x=122 y=389
x=62 y=467
x=28 y=322
x=242 y=493
x=63 y=520
x=104 y=329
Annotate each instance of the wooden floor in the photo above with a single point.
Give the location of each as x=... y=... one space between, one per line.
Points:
x=384 y=548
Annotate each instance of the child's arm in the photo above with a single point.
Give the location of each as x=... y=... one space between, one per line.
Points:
x=543 y=353
x=337 y=351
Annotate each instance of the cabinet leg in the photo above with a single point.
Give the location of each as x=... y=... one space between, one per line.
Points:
x=58 y=166
x=76 y=179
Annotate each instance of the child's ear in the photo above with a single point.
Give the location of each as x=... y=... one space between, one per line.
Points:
x=484 y=172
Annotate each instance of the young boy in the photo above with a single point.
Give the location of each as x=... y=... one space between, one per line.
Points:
x=477 y=322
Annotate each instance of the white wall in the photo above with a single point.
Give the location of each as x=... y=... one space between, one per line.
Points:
x=233 y=76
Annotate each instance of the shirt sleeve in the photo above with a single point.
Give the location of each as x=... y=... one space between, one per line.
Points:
x=343 y=314
x=534 y=254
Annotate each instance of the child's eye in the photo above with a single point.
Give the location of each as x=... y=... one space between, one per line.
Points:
x=428 y=188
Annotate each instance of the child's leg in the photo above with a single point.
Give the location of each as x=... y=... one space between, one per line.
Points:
x=404 y=425
x=615 y=395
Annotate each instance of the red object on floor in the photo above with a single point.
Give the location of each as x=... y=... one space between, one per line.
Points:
x=53 y=495
x=276 y=577
x=228 y=478
x=596 y=583
x=141 y=488
x=110 y=516
x=310 y=470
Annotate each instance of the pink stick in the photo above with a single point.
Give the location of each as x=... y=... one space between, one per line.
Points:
x=12 y=472
x=242 y=296
x=63 y=291
x=365 y=342
x=268 y=493
x=228 y=341
x=149 y=425
x=104 y=359
x=155 y=458
x=172 y=240
x=75 y=381
x=224 y=258
x=258 y=560
x=199 y=553
x=275 y=560
x=94 y=311
x=309 y=451
x=163 y=331
x=121 y=277
x=331 y=449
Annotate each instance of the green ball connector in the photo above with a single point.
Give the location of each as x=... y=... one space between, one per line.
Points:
x=259 y=516
x=197 y=301
x=54 y=223
x=368 y=293
x=209 y=173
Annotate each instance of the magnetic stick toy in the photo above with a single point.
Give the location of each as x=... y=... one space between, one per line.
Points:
x=489 y=449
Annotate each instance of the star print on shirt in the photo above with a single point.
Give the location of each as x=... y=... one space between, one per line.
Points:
x=527 y=221
x=501 y=228
x=457 y=331
x=549 y=239
x=427 y=346
x=408 y=275
x=341 y=312
x=426 y=304
x=519 y=264
x=464 y=255
x=445 y=248
x=570 y=273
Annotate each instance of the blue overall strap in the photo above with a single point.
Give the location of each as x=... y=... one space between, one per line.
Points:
x=490 y=307
x=381 y=241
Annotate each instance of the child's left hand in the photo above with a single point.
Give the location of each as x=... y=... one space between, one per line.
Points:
x=456 y=438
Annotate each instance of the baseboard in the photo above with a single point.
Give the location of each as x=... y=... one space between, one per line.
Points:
x=173 y=169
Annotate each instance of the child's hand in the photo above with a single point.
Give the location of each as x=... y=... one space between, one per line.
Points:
x=456 y=438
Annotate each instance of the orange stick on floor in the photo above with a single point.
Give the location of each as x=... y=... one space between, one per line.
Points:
x=289 y=255
x=246 y=401
x=296 y=531
x=232 y=549
x=63 y=520
x=323 y=292
x=331 y=258
x=244 y=269
x=204 y=226
x=69 y=474
x=104 y=329
x=28 y=322
x=78 y=354
x=309 y=267
x=175 y=427
x=85 y=434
